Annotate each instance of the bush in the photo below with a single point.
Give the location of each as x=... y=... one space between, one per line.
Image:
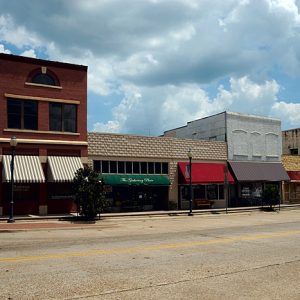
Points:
x=88 y=191
x=271 y=195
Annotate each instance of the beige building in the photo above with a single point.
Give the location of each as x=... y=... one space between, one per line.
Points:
x=291 y=162
x=291 y=188
x=144 y=173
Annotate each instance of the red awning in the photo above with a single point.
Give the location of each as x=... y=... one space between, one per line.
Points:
x=294 y=175
x=203 y=173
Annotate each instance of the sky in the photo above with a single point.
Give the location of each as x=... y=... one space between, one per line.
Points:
x=154 y=65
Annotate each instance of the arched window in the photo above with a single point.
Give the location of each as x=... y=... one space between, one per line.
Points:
x=41 y=78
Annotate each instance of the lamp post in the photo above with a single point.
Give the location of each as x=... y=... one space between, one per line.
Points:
x=13 y=143
x=191 y=188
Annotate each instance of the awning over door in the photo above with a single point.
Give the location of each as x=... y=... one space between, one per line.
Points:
x=127 y=179
x=26 y=169
x=294 y=176
x=203 y=173
x=259 y=171
x=63 y=168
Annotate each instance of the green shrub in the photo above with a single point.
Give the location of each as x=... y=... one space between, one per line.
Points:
x=88 y=191
x=271 y=195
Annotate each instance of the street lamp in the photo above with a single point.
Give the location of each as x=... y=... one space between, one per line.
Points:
x=191 y=188
x=13 y=143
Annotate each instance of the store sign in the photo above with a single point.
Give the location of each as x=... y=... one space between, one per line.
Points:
x=21 y=188
x=130 y=180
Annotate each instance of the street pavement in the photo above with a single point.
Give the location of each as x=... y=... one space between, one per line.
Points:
x=246 y=255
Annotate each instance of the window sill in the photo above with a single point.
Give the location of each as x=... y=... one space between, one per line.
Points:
x=43 y=85
x=41 y=131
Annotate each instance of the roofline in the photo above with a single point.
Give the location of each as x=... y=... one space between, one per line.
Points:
x=292 y=129
x=19 y=58
x=151 y=137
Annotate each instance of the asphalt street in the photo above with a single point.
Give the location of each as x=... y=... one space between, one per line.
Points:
x=253 y=255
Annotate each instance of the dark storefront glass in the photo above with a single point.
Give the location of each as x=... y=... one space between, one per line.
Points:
x=136 y=167
x=143 y=168
x=121 y=167
x=128 y=167
x=113 y=167
x=157 y=168
x=105 y=168
x=150 y=168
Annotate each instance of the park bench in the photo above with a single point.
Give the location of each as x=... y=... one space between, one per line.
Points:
x=203 y=203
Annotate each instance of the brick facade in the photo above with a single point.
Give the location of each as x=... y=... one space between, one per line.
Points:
x=102 y=146
x=71 y=88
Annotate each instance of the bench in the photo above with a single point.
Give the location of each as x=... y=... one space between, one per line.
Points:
x=203 y=203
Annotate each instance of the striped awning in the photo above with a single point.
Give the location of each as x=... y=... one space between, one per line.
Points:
x=63 y=168
x=26 y=169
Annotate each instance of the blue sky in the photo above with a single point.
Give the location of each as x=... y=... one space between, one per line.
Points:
x=157 y=64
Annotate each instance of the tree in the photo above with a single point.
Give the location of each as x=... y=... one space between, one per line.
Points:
x=271 y=195
x=88 y=191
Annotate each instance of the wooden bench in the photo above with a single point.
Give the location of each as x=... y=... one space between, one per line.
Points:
x=203 y=203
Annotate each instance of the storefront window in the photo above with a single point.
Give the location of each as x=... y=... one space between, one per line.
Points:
x=221 y=191
x=157 y=168
x=212 y=191
x=143 y=168
x=150 y=168
x=105 y=166
x=121 y=167
x=199 y=192
x=136 y=167
x=113 y=167
x=165 y=168
x=128 y=167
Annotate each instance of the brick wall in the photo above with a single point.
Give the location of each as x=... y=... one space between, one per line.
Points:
x=291 y=140
x=102 y=146
x=14 y=72
x=291 y=162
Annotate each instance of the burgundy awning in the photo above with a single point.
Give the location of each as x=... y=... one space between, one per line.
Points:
x=203 y=173
x=294 y=176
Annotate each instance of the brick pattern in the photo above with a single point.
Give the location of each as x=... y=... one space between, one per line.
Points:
x=290 y=140
x=143 y=148
x=291 y=162
x=14 y=72
x=135 y=147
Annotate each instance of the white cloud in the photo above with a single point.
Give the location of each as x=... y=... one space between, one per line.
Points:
x=15 y=34
x=157 y=56
x=160 y=108
x=3 y=50
x=289 y=113
x=29 y=53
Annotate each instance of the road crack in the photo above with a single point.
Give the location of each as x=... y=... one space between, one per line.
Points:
x=119 y=291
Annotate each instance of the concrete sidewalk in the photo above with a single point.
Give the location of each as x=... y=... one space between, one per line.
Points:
x=65 y=217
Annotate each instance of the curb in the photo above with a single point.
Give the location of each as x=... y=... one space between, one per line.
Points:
x=150 y=213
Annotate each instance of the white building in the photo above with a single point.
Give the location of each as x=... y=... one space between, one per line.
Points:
x=254 y=150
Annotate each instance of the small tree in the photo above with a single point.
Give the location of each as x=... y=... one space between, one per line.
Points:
x=88 y=191
x=271 y=195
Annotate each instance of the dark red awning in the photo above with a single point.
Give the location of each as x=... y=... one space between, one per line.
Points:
x=203 y=173
x=294 y=175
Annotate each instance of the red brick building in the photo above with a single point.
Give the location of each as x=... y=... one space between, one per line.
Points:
x=44 y=105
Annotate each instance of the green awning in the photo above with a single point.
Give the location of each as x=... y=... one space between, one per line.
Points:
x=126 y=179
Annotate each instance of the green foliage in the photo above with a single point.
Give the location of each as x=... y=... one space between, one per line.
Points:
x=88 y=191
x=271 y=195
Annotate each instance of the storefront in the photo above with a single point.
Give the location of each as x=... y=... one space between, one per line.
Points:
x=61 y=171
x=136 y=192
x=252 y=178
x=208 y=184
x=28 y=179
